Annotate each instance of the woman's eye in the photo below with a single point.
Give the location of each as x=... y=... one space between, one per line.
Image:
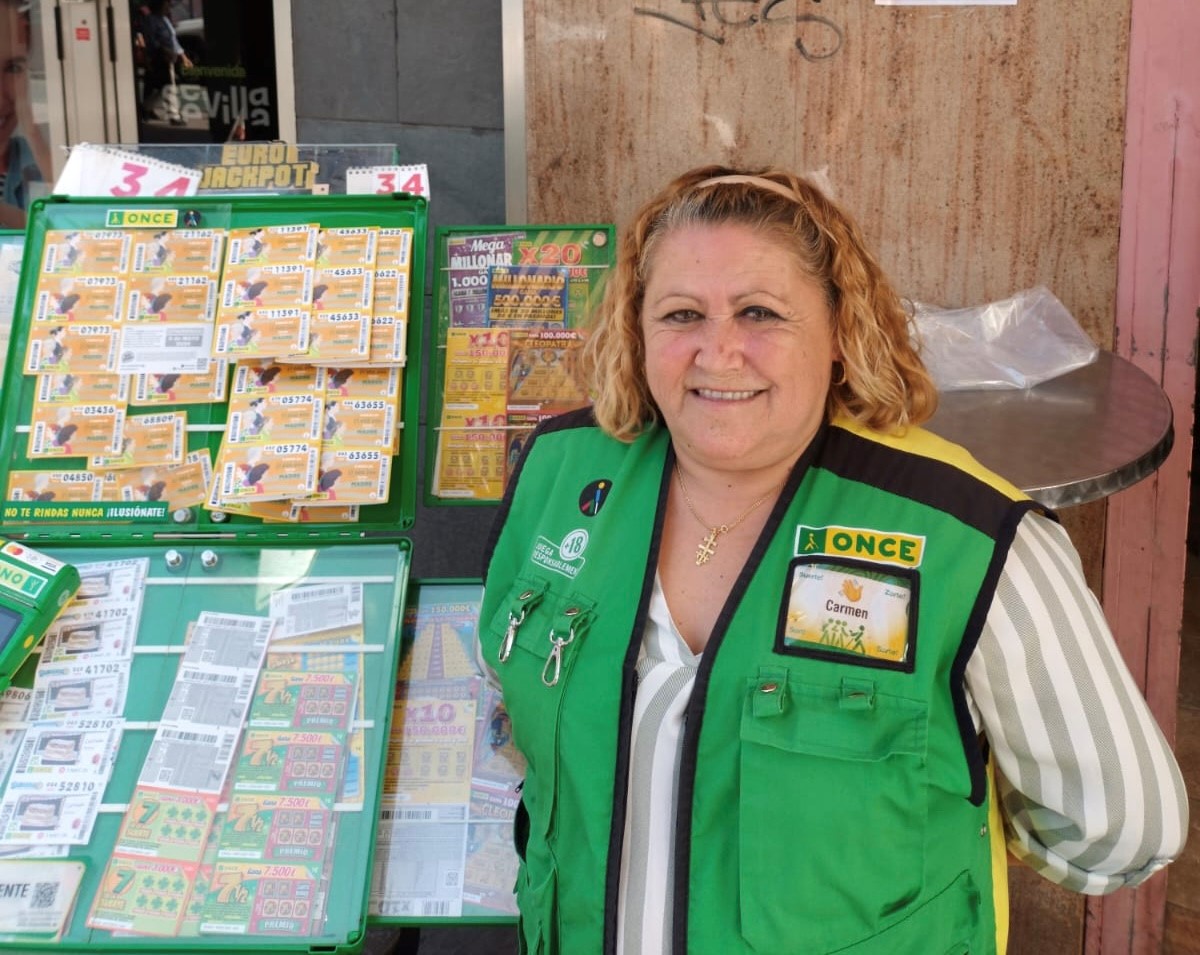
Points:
x=758 y=313
x=682 y=316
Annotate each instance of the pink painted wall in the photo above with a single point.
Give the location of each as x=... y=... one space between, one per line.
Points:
x=1158 y=294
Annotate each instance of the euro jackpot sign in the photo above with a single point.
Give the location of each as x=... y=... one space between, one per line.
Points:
x=259 y=167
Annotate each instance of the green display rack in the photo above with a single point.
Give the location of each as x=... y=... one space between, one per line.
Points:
x=463 y=258
x=205 y=422
x=201 y=562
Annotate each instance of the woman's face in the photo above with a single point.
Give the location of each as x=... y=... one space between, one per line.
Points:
x=739 y=347
x=13 y=64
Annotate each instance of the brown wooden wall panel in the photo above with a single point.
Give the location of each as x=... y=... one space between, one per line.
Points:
x=980 y=149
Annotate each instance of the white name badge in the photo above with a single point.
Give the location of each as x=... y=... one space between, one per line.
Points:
x=382 y=180
x=849 y=608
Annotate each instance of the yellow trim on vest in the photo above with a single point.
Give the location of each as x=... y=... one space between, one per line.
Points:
x=999 y=861
x=929 y=445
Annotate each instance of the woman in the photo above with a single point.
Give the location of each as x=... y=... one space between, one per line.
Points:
x=763 y=639
x=24 y=156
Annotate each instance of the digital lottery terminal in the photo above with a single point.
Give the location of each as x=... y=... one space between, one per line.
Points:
x=34 y=589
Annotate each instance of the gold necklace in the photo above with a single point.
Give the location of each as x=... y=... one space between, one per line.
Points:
x=708 y=546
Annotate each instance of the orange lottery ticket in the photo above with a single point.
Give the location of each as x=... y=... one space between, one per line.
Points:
x=83 y=298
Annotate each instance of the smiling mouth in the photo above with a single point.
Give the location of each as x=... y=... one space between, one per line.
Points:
x=714 y=395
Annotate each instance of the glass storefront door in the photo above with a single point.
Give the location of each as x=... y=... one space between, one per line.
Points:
x=135 y=71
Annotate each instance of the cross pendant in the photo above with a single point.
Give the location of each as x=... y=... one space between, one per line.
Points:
x=707 y=548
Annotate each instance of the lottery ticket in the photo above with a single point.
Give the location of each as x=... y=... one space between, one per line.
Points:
x=251 y=377
x=142 y=896
x=316 y=608
x=291 y=763
x=210 y=696
x=181 y=485
x=267 y=418
x=179 y=252
x=347 y=247
x=267 y=472
x=83 y=298
x=366 y=383
x=266 y=287
x=193 y=758
x=232 y=641
x=336 y=336
x=265 y=332
x=111 y=585
x=172 y=388
x=303 y=701
x=60 y=486
x=69 y=690
x=351 y=476
x=269 y=828
x=395 y=248
x=51 y=812
x=148 y=440
x=292 y=513
x=66 y=388
x=264 y=245
x=81 y=349
x=165 y=348
x=344 y=288
x=248 y=898
x=391 y=292
x=73 y=430
x=73 y=750
x=491 y=868
x=14 y=704
x=36 y=897
x=166 y=824
x=104 y=252
x=163 y=298
x=389 y=340
x=71 y=639
x=358 y=423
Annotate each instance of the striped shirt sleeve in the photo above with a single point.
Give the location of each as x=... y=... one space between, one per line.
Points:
x=1090 y=791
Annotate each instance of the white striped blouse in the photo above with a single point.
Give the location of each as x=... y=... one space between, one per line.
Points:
x=1092 y=796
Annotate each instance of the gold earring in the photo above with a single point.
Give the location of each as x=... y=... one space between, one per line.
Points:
x=835 y=382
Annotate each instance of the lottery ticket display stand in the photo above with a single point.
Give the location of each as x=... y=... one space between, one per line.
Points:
x=195 y=759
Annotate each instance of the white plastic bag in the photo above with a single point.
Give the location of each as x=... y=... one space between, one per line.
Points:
x=1014 y=343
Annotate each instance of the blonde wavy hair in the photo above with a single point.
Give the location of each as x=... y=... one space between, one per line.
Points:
x=884 y=384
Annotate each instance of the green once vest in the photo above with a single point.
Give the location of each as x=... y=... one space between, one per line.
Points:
x=832 y=793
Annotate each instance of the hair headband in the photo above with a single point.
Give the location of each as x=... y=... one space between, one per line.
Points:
x=759 y=181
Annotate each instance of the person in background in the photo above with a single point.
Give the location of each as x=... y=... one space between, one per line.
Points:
x=791 y=673
x=24 y=155
x=164 y=56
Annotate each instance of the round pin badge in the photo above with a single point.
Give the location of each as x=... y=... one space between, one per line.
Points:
x=592 y=497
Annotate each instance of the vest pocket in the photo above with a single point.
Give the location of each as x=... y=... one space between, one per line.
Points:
x=832 y=813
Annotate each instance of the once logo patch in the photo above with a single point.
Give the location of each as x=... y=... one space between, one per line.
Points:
x=860 y=543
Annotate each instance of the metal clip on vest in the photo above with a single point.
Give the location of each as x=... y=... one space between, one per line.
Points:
x=555 y=657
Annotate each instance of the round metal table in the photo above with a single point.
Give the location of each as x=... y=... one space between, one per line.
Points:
x=1070 y=440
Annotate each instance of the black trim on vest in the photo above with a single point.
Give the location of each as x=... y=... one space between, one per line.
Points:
x=926 y=480
x=694 y=714
x=580 y=418
x=976 y=757
x=620 y=797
